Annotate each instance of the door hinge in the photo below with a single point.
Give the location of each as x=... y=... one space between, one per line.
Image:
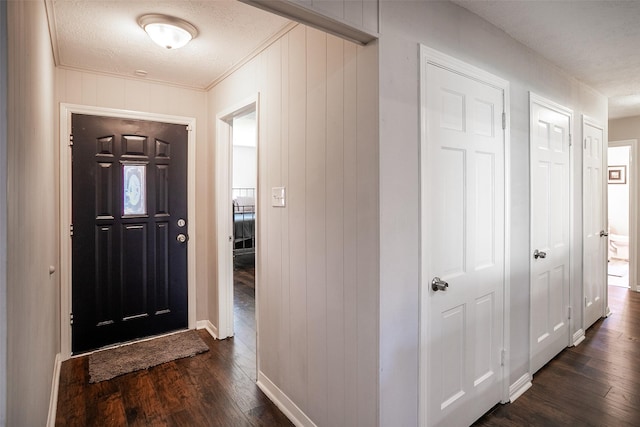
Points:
x=502 y=357
x=189 y=128
x=570 y=140
x=585 y=301
x=504 y=120
x=71 y=318
x=569 y=312
x=585 y=143
x=71 y=140
x=70 y=230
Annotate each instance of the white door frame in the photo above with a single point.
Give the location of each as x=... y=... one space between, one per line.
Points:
x=66 y=111
x=534 y=98
x=222 y=208
x=431 y=56
x=633 y=212
x=588 y=121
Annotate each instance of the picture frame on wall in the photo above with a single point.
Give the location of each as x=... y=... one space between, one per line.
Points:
x=617 y=174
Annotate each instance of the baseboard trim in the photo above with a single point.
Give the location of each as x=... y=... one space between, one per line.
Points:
x=282 y=401
x=205 y=324
x=55 y=385
x=518 y=388
x=578 y=337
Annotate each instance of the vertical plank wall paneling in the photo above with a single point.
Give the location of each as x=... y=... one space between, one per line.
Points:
x=294 y=376
x=334 y=231
x=317 y=278
x=90 y=89
x=316 y=170
x=350 y=234
x=32 y=331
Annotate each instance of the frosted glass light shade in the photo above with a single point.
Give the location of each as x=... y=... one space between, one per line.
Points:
x=167 y=31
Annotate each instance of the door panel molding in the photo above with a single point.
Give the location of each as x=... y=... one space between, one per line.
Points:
x=429 y=58
x=66 y=111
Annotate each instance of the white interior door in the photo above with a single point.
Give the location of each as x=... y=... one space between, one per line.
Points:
x=463 y=217
x=594 y=226
x=550 y=131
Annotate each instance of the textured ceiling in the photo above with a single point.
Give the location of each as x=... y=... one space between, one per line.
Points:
x=595 y=40
x=104 y=36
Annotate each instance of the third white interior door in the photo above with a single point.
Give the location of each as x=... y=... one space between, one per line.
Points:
x=594 y=225
x=550 y=140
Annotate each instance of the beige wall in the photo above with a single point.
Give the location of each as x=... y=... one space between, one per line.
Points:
x=317 y=282
x=625 y=128
x=33 y=337
x=455 y=31
x=91 y=89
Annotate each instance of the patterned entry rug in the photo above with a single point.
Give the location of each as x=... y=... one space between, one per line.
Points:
x=110 y=363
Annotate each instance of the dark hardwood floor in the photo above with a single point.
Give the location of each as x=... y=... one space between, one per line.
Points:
x=216 y=388
x=596 y=383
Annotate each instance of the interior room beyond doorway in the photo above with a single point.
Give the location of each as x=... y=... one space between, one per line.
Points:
x=618 y=212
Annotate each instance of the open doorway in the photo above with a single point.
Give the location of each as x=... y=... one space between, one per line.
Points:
x=237 y=220
x=243 y=192
x=620 y=211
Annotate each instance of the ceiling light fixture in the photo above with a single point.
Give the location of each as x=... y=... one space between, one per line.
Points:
x=167 y=31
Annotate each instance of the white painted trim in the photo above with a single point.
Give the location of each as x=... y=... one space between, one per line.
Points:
x=578 y=337
x=431 y=56
x=282 y=401
x=55 y=386
x=224 y=220
x=518 y=388
x=547 y=103
x=633 y=212
x=66 y=110
x=209 y=327
x=588 y=121
x=314 y=17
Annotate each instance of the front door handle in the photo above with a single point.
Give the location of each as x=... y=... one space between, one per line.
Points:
x=603 y=233
x=181 y=238
x=539 y=254
x=438 y=284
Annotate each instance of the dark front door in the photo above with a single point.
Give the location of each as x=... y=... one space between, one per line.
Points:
x=129 y=230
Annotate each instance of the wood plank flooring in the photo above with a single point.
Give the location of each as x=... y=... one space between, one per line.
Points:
x=216 y=388
x=596 y=383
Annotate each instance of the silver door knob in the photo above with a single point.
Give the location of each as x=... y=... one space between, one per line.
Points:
x=539 y=254
x=181 y=238
x=603 y=233
x=437 y=284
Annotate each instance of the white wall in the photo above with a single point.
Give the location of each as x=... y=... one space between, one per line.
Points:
x=317 y=272
x=449 y=28
x=619 y=193
x=91 y=89
x=3 y=213
x=245 y=160
x=33 y=336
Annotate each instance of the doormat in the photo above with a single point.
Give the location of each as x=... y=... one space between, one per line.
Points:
x=110 y=363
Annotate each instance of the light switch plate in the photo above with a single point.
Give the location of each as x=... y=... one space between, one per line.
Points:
x=278 y=197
